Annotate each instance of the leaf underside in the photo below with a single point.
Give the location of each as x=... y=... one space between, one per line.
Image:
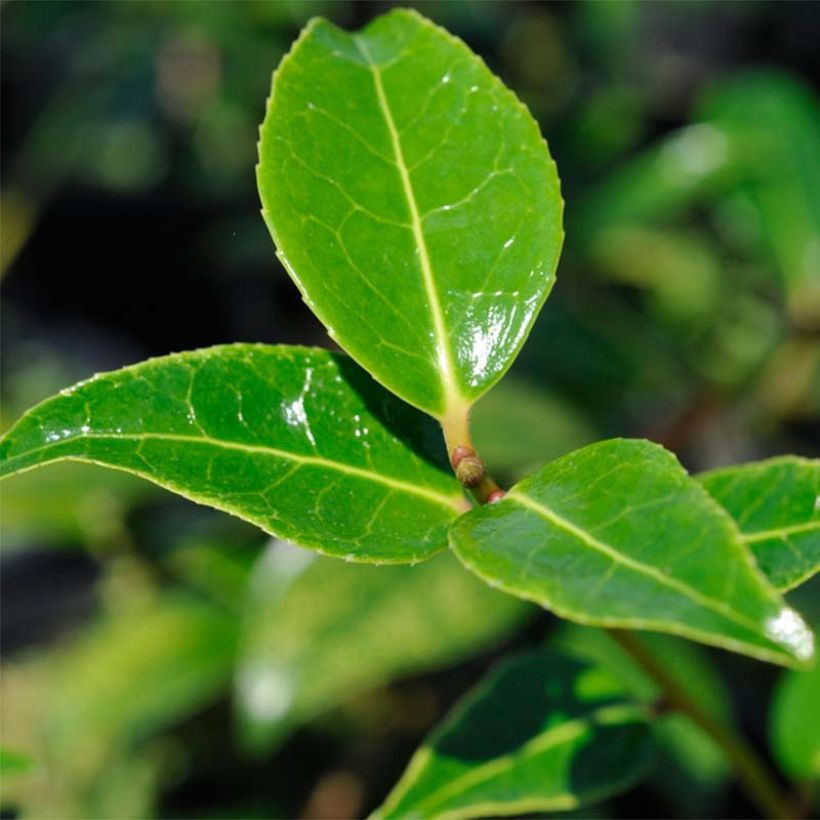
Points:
x=617 y=534
x=542 y=732
x=298 y=441
x=775 y=505
x=413 y=201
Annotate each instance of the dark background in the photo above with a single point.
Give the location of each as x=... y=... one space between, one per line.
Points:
x=687 y=307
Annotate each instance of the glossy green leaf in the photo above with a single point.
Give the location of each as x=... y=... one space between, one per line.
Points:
x=319 y=631
x=542 y=732
x=298 y=441
x=413 y=201
x=775 y=505
x=617 y=534
x=795 y=724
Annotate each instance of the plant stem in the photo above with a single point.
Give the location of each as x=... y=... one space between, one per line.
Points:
x=752 y=772
x=468 y=466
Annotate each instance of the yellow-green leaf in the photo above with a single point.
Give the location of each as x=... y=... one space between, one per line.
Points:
x=413 y=201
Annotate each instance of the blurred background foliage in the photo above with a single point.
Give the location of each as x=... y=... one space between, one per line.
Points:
x=162 y=660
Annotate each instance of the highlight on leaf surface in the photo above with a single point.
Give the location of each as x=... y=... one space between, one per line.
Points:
x=617 y=534
x=299 y=441
x=776 y=506
x=414 y=202
x=542 y=732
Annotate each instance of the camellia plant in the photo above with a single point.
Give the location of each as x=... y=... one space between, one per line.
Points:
x=414 y=202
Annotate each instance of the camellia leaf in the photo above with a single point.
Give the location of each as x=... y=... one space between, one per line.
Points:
x=317 y=632
x=298 y=441
x=542 y=732
x=617 y=534
x=795 y=724
x=413 y=201
x=775 y=505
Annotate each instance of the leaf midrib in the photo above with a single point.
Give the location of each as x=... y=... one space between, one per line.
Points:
x=452 y=502
x=451 y=394
x=618 y=557
x=780 y=532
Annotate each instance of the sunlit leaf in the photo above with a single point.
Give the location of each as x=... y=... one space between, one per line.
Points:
x=298 y=441
x=542 y=732
x=795 y=724
x=318 y=632
x=414 y=202
x=617 y=534
x=775 y=505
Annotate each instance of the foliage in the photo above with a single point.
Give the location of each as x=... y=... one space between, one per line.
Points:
x=417 y=208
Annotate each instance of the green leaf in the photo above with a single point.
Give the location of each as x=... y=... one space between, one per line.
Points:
x=318 y=632
x=413 y=201
x=775 y=505
x=298 y=441
x=134 y=674
x=692 y=769
x=795 y=724
x=13 y=763
x=542 y=732
x=617 y=534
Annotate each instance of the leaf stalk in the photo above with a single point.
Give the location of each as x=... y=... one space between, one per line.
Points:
x=751 y=771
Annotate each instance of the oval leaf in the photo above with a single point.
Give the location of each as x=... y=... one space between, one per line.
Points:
x=542 y=732
x=315 y=637
x=413 y=201
x=298 y=441
x=776 y=506
x=617 y=534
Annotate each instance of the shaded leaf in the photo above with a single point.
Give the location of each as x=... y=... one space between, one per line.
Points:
x=413 y=201
x=692 y=769
x=795 y=724
x=298 y=441
x=318 y=632
x=542 y=732
x=775 y=506
x=617 y=534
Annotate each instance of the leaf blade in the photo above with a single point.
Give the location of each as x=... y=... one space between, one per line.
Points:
x=774 y=504
x=360 y=175
x=297 y=441
x=617 y=534
x=541 y=732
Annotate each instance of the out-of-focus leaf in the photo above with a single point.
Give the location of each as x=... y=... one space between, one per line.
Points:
x=133 y=675
x=394 y=159
x=79 y=509
x=795 y=724
x=775 y=506
x=772 y=123
x=14 y=763
x=298 y=441
x=542 y=732
x=317 y=633
x=553 y=427
x=617 y=534
x=221 y=569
